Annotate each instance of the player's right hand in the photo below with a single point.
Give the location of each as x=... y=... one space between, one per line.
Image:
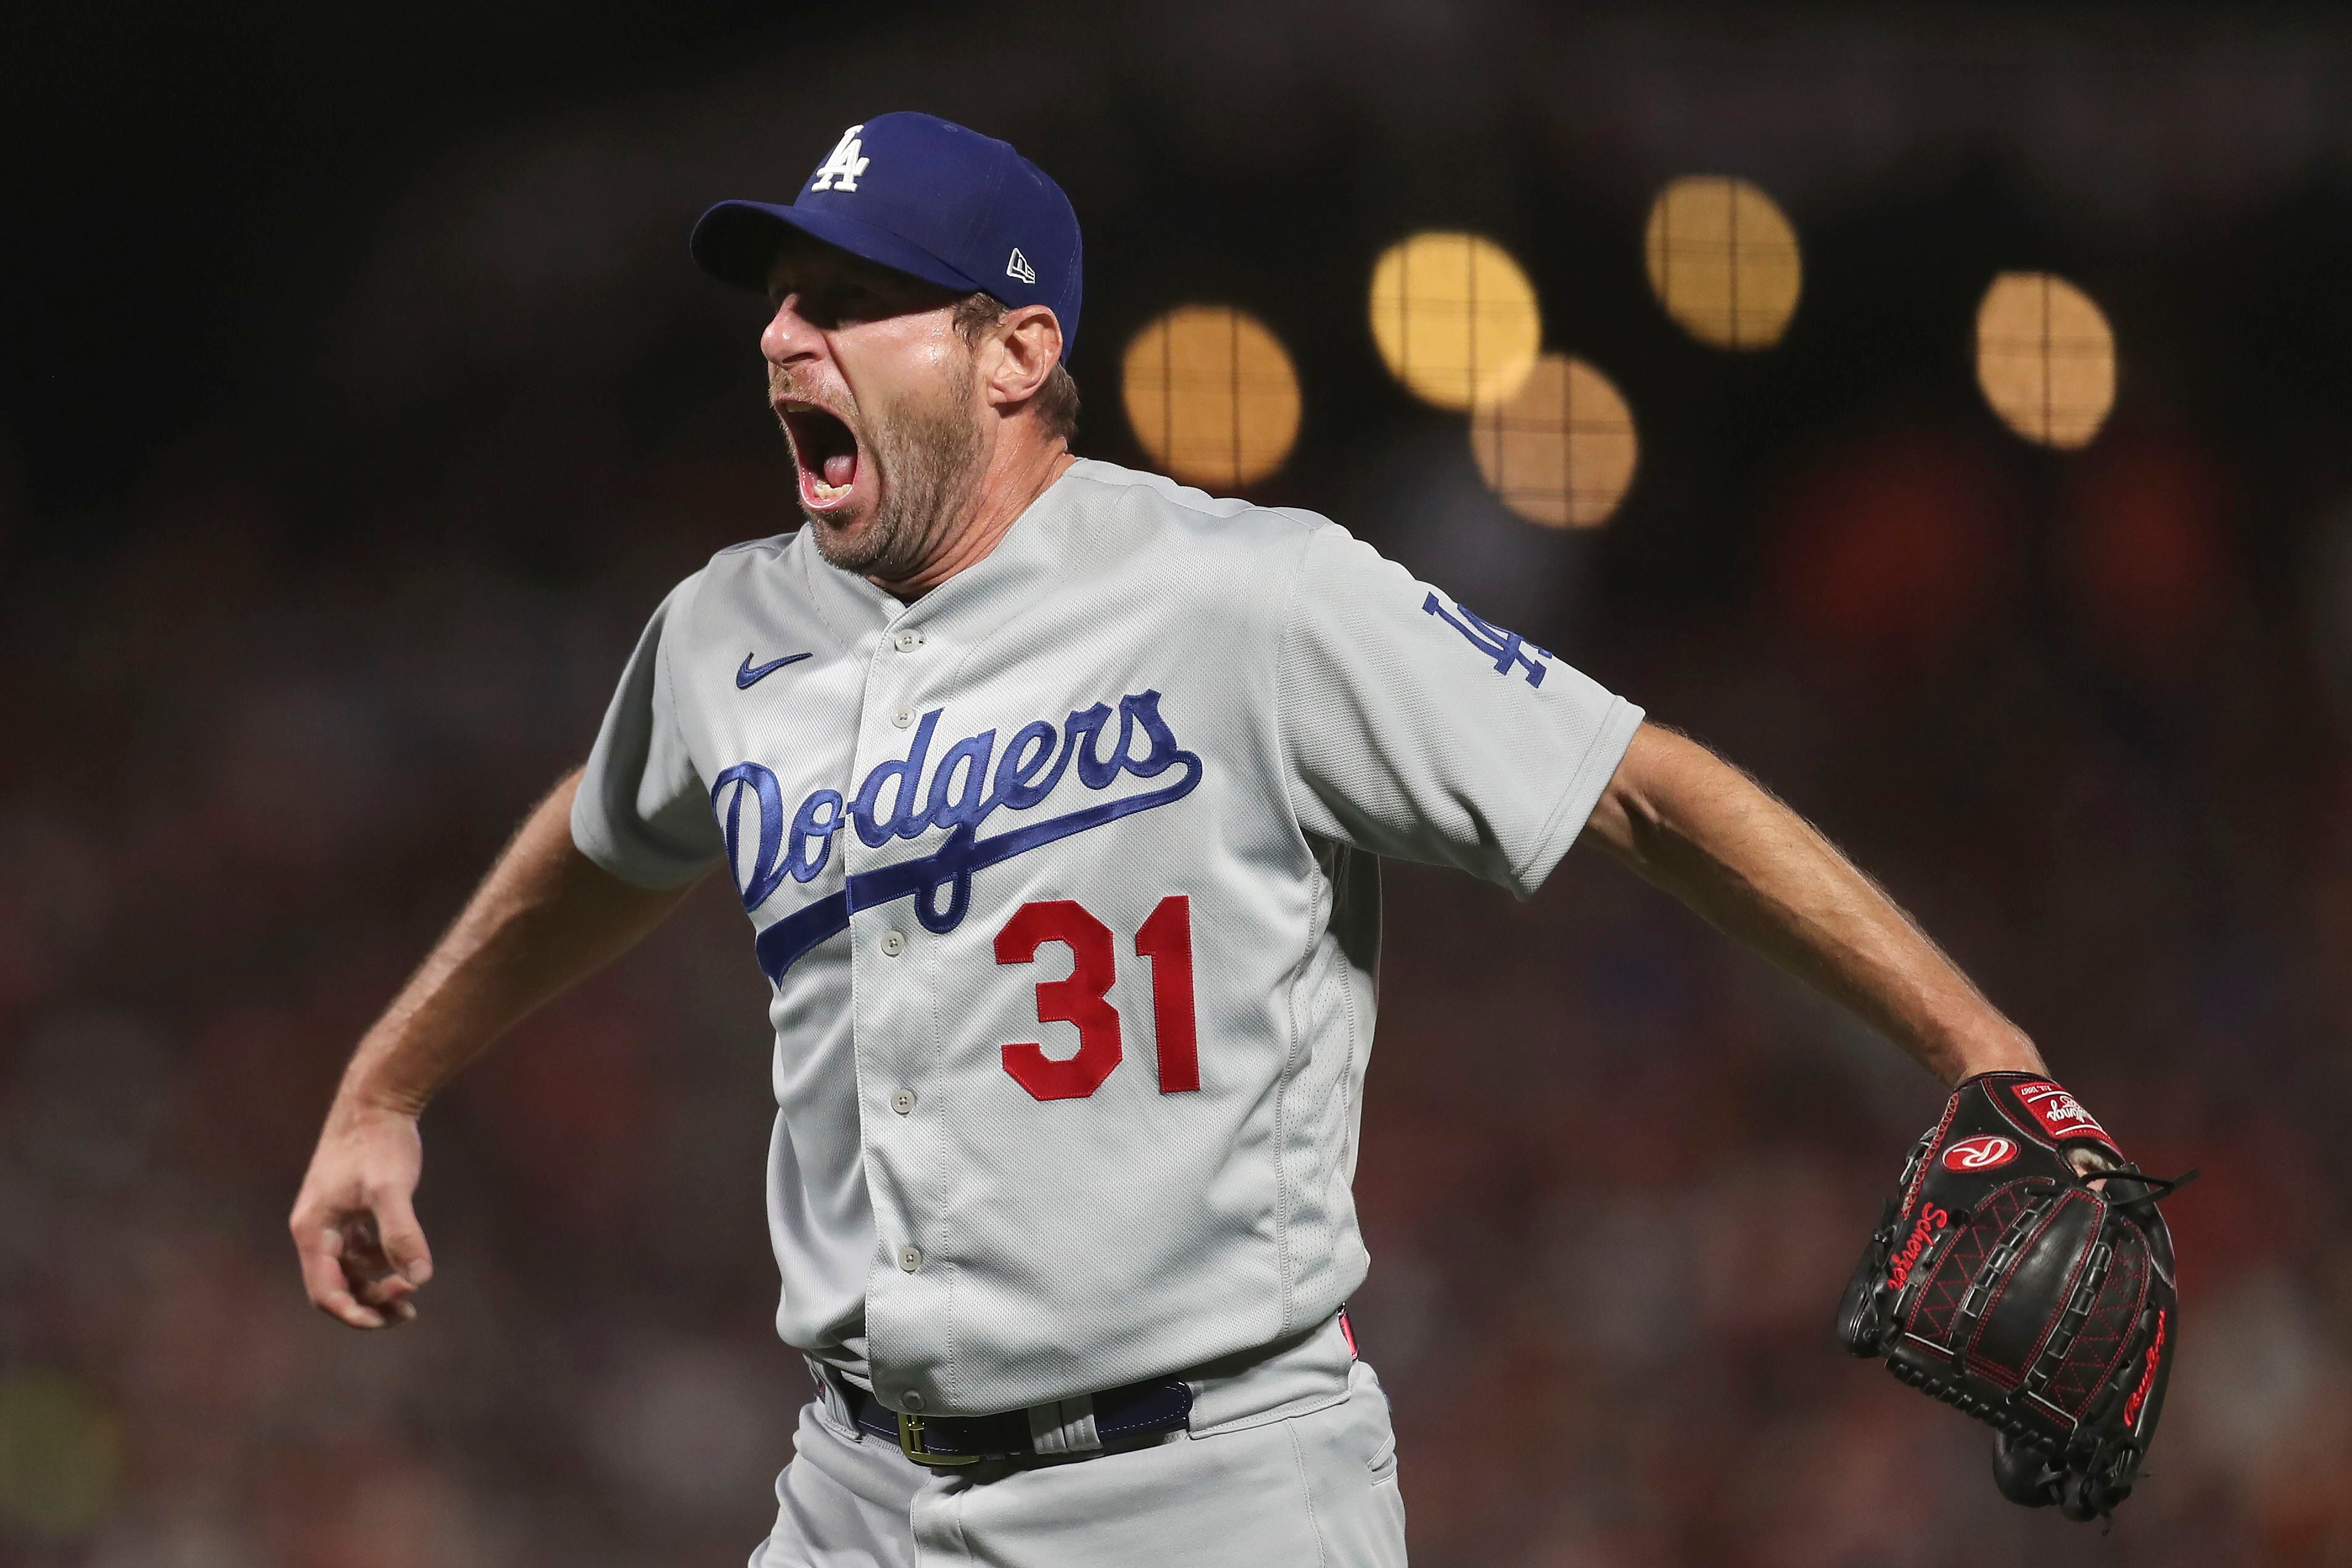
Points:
x=363 y=1254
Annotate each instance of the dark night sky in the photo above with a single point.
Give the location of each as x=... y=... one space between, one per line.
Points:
x=186 y=184
x=181 y=178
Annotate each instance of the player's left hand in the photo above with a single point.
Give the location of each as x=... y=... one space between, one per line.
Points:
x=2022 y=1273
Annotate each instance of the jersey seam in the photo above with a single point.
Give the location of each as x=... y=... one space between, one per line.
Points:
x=878 y=1262
x=1283 y=1198
x=949 y=1380
x=1285 y=759
x=611 y=854
x=662 y=663
x=1332 y=1162
x=950 y=1362
x=1334 y=1177
x=1018 y=617
x=1171 y=493
x=1577 y=780
x=1321 y=888
x=816 y=607
x=780 y=542
x=665 y=702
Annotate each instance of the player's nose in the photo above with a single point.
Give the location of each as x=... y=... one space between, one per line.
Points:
x=788 y=335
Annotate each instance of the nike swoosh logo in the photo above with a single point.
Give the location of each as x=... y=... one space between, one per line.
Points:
x=746 y=677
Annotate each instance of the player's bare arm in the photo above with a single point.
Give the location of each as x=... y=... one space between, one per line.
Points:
x=1706 y=832
x=2073 y=1420
x=543 y=918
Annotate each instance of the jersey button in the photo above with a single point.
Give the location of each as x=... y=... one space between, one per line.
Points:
x=911 y=1400
x=903 y=1101
x=892 y=944
x=903 y=716
x=911 y=1258
x=908 y=641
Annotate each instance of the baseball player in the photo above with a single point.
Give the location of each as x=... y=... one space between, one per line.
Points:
x=1054 y=793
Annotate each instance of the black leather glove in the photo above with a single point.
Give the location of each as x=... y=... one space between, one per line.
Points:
x=2035 y=1296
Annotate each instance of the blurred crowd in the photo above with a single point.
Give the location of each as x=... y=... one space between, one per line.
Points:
x=1613 y=1172
x=2086 y=715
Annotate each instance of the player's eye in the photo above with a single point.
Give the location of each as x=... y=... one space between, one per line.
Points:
x=828 y=302
x=829 y=305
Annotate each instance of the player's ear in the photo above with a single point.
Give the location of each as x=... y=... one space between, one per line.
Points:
x=1030 y=345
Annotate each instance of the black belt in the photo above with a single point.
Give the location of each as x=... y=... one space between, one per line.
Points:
x=1132 y=1410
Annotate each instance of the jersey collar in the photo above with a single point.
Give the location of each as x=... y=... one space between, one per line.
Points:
x=1026 y=563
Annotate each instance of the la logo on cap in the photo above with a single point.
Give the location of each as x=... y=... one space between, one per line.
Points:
x=841 y=170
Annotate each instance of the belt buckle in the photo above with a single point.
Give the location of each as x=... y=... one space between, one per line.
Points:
x=911 y=1443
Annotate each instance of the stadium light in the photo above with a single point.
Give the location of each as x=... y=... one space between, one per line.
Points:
x=1561 y=452
x=1724 y=261
x=1455 y=319
x=1211 y=393
x=2045 y=359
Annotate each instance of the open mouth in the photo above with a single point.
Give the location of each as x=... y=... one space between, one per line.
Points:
x=827 y=452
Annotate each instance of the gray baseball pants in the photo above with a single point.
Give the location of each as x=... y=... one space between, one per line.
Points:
x=1308 y=1482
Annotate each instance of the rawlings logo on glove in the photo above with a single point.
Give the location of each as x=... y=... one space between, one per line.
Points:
x=1985 y=1152
x=2060 y=1116
x=2001 y=1281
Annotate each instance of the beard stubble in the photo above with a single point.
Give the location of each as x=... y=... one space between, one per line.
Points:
x=926 y=450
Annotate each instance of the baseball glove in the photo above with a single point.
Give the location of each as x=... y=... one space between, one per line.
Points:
x=2003 y=1282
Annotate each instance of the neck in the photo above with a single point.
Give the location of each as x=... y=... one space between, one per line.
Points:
x=1018 y=473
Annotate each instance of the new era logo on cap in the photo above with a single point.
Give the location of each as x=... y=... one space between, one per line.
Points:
x=926 y=197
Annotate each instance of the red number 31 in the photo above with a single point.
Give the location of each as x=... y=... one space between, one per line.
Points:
x=1166 y=938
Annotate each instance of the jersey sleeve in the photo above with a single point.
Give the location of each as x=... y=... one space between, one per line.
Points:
x=1416 y=730
x=642 y=812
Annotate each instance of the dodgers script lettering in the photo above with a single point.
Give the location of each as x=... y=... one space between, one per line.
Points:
x=908 y=797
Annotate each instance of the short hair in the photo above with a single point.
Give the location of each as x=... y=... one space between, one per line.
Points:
x=1057 y=400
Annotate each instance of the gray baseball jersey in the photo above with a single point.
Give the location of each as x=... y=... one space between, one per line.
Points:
x=1063 y=875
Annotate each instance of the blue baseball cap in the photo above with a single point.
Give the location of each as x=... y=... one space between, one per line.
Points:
x=922 y=196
